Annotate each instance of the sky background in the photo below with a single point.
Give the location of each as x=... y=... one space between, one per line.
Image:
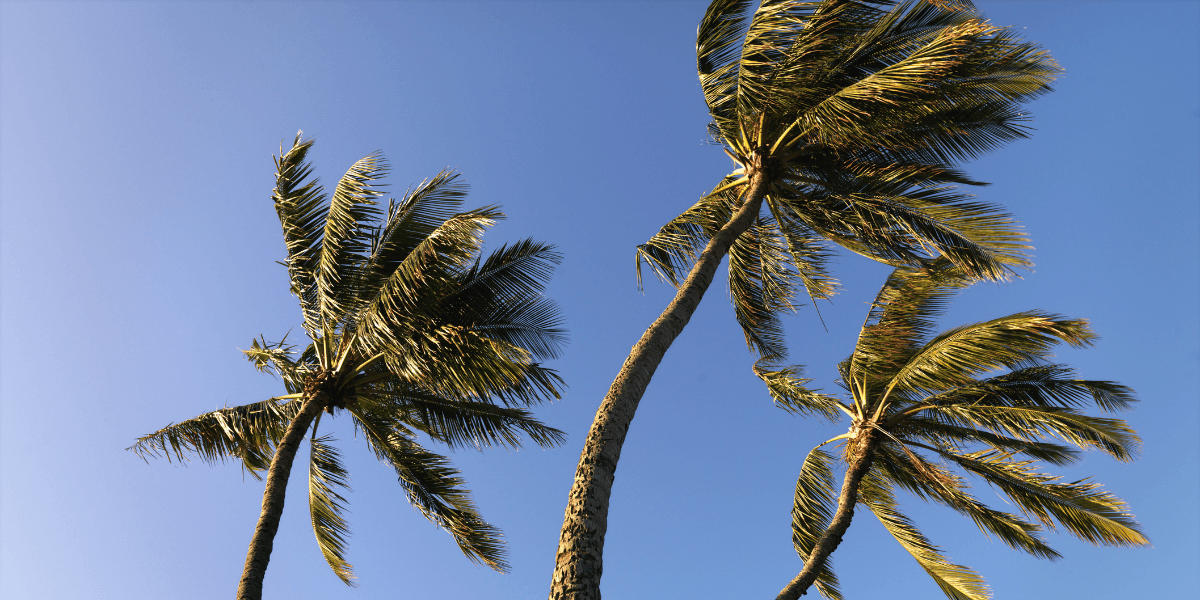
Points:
x=138 y=246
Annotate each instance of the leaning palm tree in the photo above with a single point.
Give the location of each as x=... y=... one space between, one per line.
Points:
x=982 y=398
x=410 y=333
x=846 y=120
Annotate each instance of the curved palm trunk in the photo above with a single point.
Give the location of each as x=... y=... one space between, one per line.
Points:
x=579 y=561
x=838 y=525
x=250 y=587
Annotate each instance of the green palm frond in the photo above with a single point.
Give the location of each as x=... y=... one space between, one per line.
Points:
x=718 y=53
x=1049 y=385
x=1112 y=436
x=501 y=296
x=808 y=252
x=671 y=252
x=459 y=423
x=300 y=205
x=413 y=287
x=435 y=489
x=419 y=213
x=247 y=433
x=929 y=481
x=761 y=284
x=943 y=434
x=955 y=357
x=1081 y=507
x=346 y=237
x=788 y=389
x=325 y=473
x=812 y=509
x=956 y=581
x=903 y=315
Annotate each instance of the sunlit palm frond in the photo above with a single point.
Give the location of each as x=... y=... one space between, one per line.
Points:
x=459 y=423
x=956 y=581
x=812 y=508
x=788 y=388
x=1113 y=436
x=421 y=280
x=421 y=211
x=761 y=285
x=941 y=433
x=435 y=489
x=502 y=297
x=671 y=252
x=247 y=433
x=300 y=204
x=1081 y=507
x=904 y=315
x=718 y=53
x=346 y=238
x=929 y=481
x=326 y=505
x=955 y=357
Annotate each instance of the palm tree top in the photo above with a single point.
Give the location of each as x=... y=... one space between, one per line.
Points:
x=983 y=398
x=411 y=331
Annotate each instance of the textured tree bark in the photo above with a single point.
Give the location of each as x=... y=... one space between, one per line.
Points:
x=840 y=522
x=250 y=587
x=579 y=563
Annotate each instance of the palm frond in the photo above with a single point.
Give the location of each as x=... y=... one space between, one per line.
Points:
x=1082 y=507
x=903 y=315
x=761 y=284
x=944 y=434
x=671 y=252
x=718 y=52
x=248 y=433
x=956 y=581
x=788 y=389
x=1050 y=385
x=955 y=357
x=1113 y=436
x=929 y=481
x=346 y=237
x=326 y=505
x=434 y=488
x=502 y=298
x=300 y=204
x=812 y=510
x=420 y=212
x=458 y=423
x=421 y=280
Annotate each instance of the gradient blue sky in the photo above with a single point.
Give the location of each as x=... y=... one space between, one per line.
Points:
x=138 y=247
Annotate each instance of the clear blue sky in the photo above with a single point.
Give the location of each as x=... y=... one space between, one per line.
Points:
x=138 y=247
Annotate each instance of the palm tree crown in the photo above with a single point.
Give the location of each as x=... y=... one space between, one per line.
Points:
x=920 y=403
x=410 y=332
x=847 y=119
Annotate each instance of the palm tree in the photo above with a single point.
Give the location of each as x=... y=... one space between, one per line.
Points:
x=410 y=333
x=921 y=403
x=846 y=120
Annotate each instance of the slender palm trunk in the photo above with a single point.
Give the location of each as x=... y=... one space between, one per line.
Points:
x=581 y=544
x=250 y=587
x=828 y=542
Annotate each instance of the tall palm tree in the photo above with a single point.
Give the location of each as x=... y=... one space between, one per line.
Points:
x=983 y=398
x=410 y=332
x=846 y=120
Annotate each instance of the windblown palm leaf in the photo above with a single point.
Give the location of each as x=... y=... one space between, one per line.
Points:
x=411 y=332
x=916 y=395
